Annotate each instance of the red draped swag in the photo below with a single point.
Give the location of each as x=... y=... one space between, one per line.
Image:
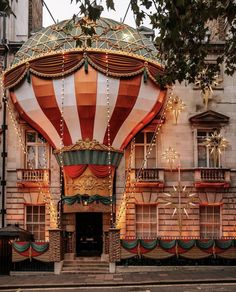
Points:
x=100 y=171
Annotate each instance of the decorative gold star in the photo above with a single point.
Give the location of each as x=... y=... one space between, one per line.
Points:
x=185 y=198
x=179 y=207
x=176 y=105
x=216 y=143
x=203 y=81
x=170 y=155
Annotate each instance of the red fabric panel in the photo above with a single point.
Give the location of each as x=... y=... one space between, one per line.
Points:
x=75 y=171
x=149 y=117
x=29 y=120
x=44 y=92
x=126 y=99
x=86 y=95
x=100 y=170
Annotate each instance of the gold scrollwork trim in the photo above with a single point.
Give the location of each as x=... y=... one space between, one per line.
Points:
x=89 y=182
x=87 y=145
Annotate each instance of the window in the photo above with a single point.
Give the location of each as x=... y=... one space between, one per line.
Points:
x=142 y=144
x=210 y=226
x=205 y=159
x=35 y=221
x=146 y=221
x=37 y=151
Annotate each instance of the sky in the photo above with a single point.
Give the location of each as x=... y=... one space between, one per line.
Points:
x=62 y=9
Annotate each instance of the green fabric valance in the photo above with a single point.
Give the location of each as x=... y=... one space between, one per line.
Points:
x=71 y=200
x=89 y=157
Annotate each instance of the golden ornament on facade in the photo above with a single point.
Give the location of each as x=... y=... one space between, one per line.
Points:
x=216 y=143
x=176 y=105
x=89 y=182
x=87 y=145
x=170 y=155
x=185 y=199
x=206 y=85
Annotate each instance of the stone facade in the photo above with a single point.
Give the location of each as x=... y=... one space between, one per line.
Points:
x=183 y=138
x=23 y=190
x=18 y=29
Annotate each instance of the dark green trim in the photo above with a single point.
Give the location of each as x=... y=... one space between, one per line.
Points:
x=89 y=157
x=71 y=200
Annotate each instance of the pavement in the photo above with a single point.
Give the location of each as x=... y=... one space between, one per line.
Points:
x=125 y=276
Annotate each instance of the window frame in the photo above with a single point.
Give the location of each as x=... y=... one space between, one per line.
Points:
x=208 y=223
x=148 y=222
x=36 y=144
x=208 y=159
x=145 y=146
x=33 y=223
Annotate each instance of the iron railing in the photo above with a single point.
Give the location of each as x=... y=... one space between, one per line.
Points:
x=147 y=174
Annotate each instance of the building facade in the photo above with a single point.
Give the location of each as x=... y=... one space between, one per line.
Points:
x=14 y=31
x=86 y=186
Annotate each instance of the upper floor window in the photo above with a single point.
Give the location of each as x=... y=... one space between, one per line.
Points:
x=210 y=221
x=205 y=157
x=36 y=151
x=146 y=221
x=143 y=150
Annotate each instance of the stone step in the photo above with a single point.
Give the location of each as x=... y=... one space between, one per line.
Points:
x=85 y=268
x=84 y=272
x=89 y=261
x=85 y=265
x=91 y=264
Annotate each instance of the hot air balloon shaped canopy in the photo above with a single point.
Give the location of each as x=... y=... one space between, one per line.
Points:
x=87 y=95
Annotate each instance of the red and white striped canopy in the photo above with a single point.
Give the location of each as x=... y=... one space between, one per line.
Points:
x=133 y=104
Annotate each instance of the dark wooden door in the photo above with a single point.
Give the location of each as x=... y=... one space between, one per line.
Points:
x=89 y=234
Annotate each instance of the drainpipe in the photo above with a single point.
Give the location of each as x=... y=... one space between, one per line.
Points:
x=4 y=124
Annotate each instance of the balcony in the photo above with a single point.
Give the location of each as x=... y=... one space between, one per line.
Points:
x=212 y=177
x=148 y=177
x=32 y=177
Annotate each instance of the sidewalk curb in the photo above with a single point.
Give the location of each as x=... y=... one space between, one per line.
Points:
x=118 y=284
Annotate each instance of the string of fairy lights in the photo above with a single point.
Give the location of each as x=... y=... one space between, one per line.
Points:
x=61 y=134
x=125 y=197
x=1 y=88
x=44 y=192
x=109 y=139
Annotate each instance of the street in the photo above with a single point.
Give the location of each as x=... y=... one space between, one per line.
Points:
x=222 y=287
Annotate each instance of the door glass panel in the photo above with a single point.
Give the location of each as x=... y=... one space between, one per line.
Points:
x=139 y=156
x=31 y=136
x=149 y=137
x=42 y=162
x=139 y=138
x=31 y=157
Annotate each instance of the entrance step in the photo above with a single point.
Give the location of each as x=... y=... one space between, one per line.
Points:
x=85 y=265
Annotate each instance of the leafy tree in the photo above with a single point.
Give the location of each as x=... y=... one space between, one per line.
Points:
x=184 y=38
x=5 y=6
